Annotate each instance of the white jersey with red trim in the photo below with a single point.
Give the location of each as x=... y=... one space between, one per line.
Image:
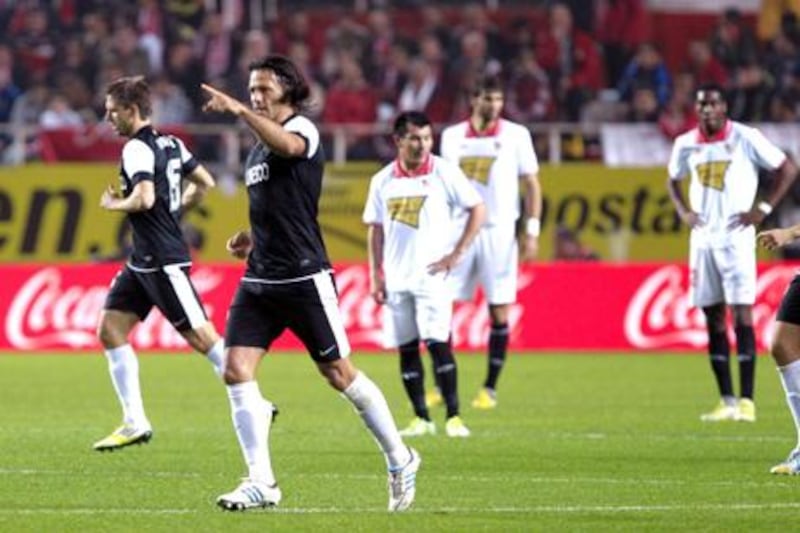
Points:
x=493 y=160
x=724 y=177
x=416 y=212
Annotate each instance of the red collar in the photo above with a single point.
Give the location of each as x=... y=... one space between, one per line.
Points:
x=491 y=131
x=425 y=168
x=721 y=135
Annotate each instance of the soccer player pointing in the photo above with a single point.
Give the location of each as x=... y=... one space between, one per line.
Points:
x=152 y=171
x=288 y=284
x=722 y=158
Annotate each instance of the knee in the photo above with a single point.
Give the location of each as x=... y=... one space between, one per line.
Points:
x=339 y=375
x=782 y=349
x=108 y=335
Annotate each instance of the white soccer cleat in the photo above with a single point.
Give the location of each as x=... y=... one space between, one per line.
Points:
x=455 y=427
x=250 y=494
x=721 y=413
x=124 y=435
x=418 y=427
x=403 y=483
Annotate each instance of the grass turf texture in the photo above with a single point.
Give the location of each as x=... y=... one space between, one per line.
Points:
x=578 y=442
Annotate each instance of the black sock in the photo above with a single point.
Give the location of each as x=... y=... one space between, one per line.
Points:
x=498 y=345
x=413 y=375
x=719 y=352
x=447 y=375
x=746 y=348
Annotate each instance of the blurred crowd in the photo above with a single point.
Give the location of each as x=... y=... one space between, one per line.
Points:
x=570 y=61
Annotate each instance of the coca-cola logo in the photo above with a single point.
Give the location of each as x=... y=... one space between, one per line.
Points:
x=46 y=312
x=659 y=314
x=363 y=317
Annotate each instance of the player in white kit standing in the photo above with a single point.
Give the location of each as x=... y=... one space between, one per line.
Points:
x=722 y=158
x=409 y=210
x=495 y=154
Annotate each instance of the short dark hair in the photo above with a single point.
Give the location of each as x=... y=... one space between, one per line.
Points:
x=711 y=87
x=406 y=118
x=488 y=83
x=132 y=91
x=295 y=86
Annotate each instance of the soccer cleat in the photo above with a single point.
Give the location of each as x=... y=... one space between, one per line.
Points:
x=486 y=399
x=124 y=435
x=746 y=410
x=721 y=413
x=250 y=494
x=418 y=427
x=403 y=483
x=433 y=398
x=454 y=427
x=790 y=467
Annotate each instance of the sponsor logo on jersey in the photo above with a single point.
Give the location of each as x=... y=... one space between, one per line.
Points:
x=256 y=174
x=406 y=209
x=712 y=174
x=477 y=168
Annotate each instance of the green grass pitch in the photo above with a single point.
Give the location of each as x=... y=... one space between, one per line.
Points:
x=579 y=442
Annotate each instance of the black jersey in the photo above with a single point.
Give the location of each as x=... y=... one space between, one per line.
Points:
x=284 y=202
x=164 y=160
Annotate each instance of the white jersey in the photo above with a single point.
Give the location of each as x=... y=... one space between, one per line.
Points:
x=724 y=178
x=493 y=160
x=416 y=212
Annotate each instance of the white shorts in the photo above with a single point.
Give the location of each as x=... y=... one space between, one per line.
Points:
x=722 y=275
x=491 y=260
x=416 y=315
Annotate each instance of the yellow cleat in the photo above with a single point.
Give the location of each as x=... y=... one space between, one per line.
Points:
x=454 y=427
x=721 y=413
x=124 y=435
x=746 y=410
x=433 y=398
x=418 y=427
x=485 y=399
x=790 y=467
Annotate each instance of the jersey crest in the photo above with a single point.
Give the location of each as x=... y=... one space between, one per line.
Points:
x=712 y=174
x=406 y=209
x=477 y=168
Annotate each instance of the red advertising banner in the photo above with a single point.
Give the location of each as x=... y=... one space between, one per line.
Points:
x=561 y=306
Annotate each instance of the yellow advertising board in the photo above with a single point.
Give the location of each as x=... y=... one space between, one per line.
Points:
x=51 y=213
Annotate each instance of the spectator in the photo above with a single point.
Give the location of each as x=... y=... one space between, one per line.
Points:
x=351 y=100
x=35 y=45
x=528 y=98
x=58 y=114
x=704 y=66
x=572 y=62
x=750 y=93
x=170 y=103
x=646 y=68
x=126 y=52
x=733 y=43
x=422 y=92
x=216 y=47
x=679 y=115
x=644 y=105
x=771 y=15
x=185 y=70
x=621 y=29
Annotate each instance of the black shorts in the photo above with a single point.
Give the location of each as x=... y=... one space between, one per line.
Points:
x=309 y=308
x=789 y=310
x=168 y=288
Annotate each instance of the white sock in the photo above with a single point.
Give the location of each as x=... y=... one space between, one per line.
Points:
x=123 y=366
x=216 y=355
x=790 y=377
x=251 y=415
x=371 y=405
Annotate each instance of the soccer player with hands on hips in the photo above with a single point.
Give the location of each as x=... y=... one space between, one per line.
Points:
x=495 y=154
x=722 y=157
x=152 y=194
x=409 y=210
x=288 y=284
x=785 y=347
